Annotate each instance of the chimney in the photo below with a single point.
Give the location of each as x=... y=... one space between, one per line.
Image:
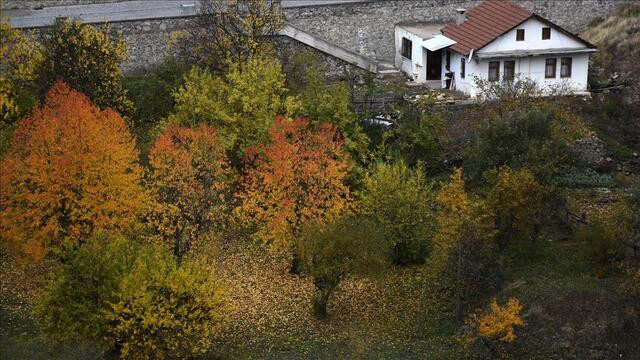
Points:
x=460 y=17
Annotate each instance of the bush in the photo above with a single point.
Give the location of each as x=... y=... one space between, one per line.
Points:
x=78 y=299
x=520 y=139
x=400 y=201
x=518 y=202
x=587 y=178
x=88 y=61
x=417 y=138
x=329 y=252
x=600 y=242
x=136 y=302
x=165 y=309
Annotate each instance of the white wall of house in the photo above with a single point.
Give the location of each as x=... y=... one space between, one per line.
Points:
x=416 y=64
x=531 y=67
x=532 y=39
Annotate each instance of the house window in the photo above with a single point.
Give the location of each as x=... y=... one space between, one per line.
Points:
x=509 y=70
x=565 y=67
x=463 y=63
x=406 y=48
x=546 y=33
x=494 y=70
x=520 y=35
x=550 y=69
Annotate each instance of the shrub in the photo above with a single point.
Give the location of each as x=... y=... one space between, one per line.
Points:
x=496 y=327
x=587 y=178
x=417 y=138
x=88 y=61
x=71 y=170
x=529 y=139
x=518 y=202
x=240 y=105
x=400 y=201
x=190 y=180
x=329 y=252
x=133 y=301
x=166 y=310
x=600 y=242
x=78 y=298
x=298 y=176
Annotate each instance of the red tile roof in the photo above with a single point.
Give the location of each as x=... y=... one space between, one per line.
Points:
x=484 y=23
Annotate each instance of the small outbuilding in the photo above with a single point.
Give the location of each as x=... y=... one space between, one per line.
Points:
x=495 y=41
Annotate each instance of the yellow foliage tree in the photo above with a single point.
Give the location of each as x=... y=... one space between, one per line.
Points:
x=517 y=199
x=462 y=247
x=499 y=323
x=20 y=56
x=88 y=60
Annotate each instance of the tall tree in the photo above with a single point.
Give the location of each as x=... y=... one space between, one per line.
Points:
x=88 y=60
x=190 y=179
x=71 y=170
x=232 y=30
x=20 y=56
x=240 y=105
x=298 y=176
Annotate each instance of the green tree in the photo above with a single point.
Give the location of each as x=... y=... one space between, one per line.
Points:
x=166 y=310
x=532 y=138
x=20 y=57
x=417 y=137
x=132 y=301
x=240 y=105
x=88 y=61
x=401 y=201
x=152 y=96
x=331 y=251
x=324 y=101
x=83 y=287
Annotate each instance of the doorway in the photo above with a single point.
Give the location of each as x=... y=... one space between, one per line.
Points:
x=434 y=64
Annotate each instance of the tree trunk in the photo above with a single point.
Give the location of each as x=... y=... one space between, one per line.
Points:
x=295 y=265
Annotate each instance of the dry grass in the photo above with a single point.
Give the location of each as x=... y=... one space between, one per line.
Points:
x=271 y=314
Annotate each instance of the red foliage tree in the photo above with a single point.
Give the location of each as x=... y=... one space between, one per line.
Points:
x=299 y=175
x=71 y=170
x=190 y=178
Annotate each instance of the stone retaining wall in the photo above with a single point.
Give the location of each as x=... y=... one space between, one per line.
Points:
x=366 y=27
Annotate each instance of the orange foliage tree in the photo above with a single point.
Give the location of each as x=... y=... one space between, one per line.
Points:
x=299 y=175
x=190 y=178
x=71 y=170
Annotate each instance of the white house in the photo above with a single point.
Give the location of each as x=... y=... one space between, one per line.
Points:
x=497 y=41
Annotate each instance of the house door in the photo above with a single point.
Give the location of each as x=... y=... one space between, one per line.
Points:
x=434 y=65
